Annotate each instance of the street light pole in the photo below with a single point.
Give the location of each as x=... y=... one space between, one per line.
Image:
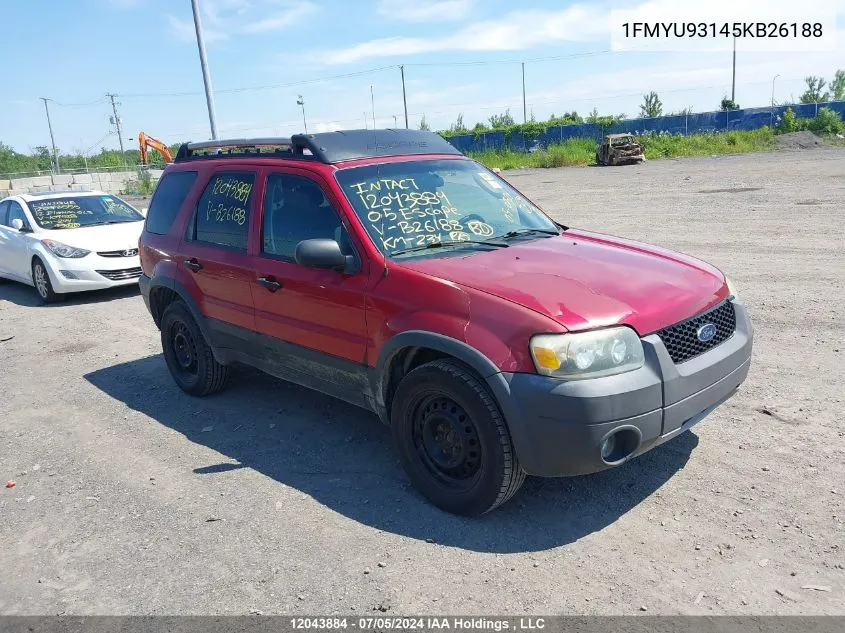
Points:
x=301 y=102
x=206 y=76
x=733 y=79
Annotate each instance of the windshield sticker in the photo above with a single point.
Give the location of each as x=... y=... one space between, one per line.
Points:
x=489 y=179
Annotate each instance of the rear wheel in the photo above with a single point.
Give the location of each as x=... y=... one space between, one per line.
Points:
x=43 y=285
x=452 y=439
x=188 y=356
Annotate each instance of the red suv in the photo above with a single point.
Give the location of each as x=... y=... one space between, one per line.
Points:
x=385 y=268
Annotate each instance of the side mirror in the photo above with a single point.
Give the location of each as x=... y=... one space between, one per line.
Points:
x=17 y=224
x=320 y=254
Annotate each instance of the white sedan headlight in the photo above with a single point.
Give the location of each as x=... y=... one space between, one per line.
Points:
x=592 y=354
x=63 y=250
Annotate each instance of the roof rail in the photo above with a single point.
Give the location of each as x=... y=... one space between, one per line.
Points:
x=230 y=148
x=326 y=147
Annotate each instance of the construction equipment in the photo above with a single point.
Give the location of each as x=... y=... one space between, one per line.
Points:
x=145 y=141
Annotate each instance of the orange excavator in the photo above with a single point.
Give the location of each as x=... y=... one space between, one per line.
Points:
x=145 y=141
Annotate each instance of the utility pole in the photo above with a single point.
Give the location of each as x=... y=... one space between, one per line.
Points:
x=206 y=76
x=404 y=98
x=524 y=108
x=733 y=80
x=52 y=140
x=119 y=131
x=301 y=102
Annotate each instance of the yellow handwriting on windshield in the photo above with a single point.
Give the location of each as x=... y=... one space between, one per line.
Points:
x=402 y=215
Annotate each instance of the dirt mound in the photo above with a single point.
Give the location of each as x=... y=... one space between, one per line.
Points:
x=798 y=140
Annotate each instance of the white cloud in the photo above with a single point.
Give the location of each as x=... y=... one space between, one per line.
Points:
x=518 y=30
x=184 y=30
x=432 y=11
x=223 y=18
x=281 y=19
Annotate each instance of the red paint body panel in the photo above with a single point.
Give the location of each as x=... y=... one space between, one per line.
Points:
x=492 y=300
x=584 y=281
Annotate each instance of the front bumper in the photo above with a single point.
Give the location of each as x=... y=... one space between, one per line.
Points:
x=92 y=272
x=558 y=426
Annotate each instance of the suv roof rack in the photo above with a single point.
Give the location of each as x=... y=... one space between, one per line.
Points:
x=325 y=147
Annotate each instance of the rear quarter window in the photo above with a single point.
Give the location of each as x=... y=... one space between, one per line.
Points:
x=169 y=195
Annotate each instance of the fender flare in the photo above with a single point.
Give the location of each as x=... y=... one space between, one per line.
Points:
x=199 y=318
x=496 y=380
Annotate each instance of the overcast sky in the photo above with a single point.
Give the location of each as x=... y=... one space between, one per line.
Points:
x=145 y=51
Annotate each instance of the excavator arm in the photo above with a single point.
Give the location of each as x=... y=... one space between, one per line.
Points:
x=145 y=141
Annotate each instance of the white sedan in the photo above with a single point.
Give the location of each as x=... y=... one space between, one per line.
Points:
x=69 y=242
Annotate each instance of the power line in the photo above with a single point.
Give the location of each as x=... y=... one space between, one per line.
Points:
x=138 y=95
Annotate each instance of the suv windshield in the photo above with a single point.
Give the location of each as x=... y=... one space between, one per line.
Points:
x=406 y=205
x=81 y=211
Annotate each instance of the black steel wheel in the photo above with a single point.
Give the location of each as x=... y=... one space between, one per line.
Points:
x=452 y=439
x=188 y=356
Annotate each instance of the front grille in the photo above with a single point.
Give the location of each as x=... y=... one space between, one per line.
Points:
x=131 y=252
x=681 y=339
x=120 y=275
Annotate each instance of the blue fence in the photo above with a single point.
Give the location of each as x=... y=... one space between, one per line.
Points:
x=747 y=119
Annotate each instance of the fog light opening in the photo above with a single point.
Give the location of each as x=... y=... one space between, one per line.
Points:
x=67 y=274
x=621 y=444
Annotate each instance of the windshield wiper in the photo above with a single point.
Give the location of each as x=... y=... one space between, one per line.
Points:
x=518 y=232
x=449 y=243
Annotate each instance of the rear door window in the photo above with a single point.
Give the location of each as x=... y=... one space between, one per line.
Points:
x=4 y=210
x=222 y=215
x=169 y=195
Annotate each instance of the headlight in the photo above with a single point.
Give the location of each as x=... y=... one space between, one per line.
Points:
x=578 y=355
x=63 y=250
x=731 y=287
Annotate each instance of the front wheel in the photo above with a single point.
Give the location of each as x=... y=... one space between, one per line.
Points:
x=452 y=439
x=43 y=285
x=189 y=358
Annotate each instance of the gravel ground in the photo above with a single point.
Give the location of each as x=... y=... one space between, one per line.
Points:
x=133 y=498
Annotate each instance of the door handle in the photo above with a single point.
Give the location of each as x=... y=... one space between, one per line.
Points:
x=193 y=264
x=268 y=282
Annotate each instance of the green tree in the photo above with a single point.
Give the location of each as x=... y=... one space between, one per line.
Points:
x=424 y=124
x=837 y=86
x=728 y=104
x=499 y=121
x=652 y=106
x=458 y=126
x=813 y=93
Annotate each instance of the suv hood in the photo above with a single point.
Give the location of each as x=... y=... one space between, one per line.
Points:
x=106 y=237
x=585 y=280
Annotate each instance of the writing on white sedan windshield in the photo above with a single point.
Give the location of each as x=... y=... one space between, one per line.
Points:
x=73 y=213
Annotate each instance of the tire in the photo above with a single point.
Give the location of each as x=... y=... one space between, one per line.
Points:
x=42 y=283
x=187 y=354
x=440 y=412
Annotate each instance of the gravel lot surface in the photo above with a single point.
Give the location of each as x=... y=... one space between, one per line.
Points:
x=133 y=498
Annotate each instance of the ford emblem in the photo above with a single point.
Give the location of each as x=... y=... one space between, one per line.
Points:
x=706 y=332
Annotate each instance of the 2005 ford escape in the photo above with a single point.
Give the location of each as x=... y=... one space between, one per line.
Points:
x=386 y=269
